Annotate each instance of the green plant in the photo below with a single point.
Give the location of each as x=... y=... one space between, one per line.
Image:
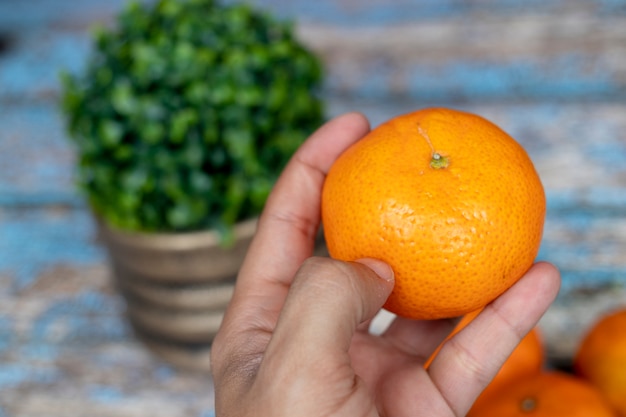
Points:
x=186 y=113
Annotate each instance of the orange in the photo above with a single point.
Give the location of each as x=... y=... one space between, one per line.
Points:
x=601 y=358
x=449 y=200
x=546 y=394
x=526 y=360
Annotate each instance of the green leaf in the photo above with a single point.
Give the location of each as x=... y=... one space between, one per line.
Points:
x=235 y=196
x=111 y=132
x=182 y=121
x=122 y=98
x=153 y=133
x=259 y=191
x=186 y=112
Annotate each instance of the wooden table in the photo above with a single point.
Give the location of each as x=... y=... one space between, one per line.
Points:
x=551 y=73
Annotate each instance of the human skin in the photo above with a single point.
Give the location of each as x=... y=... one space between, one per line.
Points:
x=295 y=338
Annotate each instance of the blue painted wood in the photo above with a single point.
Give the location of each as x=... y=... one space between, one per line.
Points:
x=37 y=239
x=559 y=89
x=36 y=157
x=385 y=13
x=56 y=40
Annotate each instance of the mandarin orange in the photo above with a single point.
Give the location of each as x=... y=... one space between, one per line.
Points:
x=526 y=360
x=601 y=358
x=546 y=394
x=448 y=199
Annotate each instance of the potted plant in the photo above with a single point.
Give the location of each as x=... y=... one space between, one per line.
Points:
x=182 y=120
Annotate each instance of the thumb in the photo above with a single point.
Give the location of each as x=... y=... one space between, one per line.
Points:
x=326 y=302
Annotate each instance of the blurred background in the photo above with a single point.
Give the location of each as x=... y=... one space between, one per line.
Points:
x=552 y=73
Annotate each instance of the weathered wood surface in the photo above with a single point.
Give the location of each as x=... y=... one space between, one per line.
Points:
x=552 y=73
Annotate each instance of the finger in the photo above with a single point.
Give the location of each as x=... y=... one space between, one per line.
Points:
x=283 y=240
x=290 y=221
x=461 y=323
x=418 y=337
x=470 y=359
x=327 y=301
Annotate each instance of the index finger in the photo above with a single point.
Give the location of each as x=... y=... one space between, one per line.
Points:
x=290 y=221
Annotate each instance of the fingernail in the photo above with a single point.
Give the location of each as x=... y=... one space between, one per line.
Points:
x=382 y=269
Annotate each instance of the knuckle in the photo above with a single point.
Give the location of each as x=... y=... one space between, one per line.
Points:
x=327 y=270
x=469 y=365
x=336 y=282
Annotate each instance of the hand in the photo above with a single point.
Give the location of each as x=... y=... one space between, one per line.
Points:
x=295 y=339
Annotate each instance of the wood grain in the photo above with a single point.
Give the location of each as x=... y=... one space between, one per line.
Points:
x=552 y=73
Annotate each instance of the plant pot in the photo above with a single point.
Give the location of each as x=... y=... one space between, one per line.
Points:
x=176 y=286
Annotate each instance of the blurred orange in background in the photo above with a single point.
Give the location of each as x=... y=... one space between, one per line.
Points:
x=545 y=394
x=601 y=357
